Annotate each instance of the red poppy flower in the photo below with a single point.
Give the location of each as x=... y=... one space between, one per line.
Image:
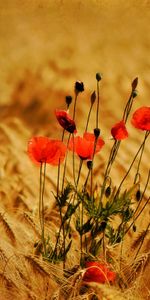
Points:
x=44 y=150
x=119 y=131
x=141 y=118
x=97 y=272
x=91 y=138
x=65 y=121
x=84 y=146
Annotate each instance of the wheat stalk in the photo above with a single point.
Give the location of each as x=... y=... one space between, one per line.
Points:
x=8 y=229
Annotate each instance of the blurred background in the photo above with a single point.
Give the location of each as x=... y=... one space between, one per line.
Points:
x=47 y=45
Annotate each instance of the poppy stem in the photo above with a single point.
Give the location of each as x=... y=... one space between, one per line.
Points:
x=112 y=156
x=75 y=102
x=65 y=165
x=127 y=173
x=142 y=150
x=135 y=218
x=73 y=158
x=98 y=102
x=41 y=205
x=58 y=174
x=88 y=118
x=128 y=108
x=142 y=241
x=79 y=172
x=40 y=193
x=81 y=236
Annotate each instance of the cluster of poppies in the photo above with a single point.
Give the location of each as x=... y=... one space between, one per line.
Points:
x=51 y=151
x=46 y=150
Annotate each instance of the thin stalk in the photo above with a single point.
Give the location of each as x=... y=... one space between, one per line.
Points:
x=58 y=174
x=98 y=102
x=75 y=102
x=111 y=159
x=65 y=165
x=81 y=236
x=41 y=205
x=88 y=118
x=79 y=172
x=128 y=108
x=142 y=241
x=148 y=178
x=73 y=160
x=40 y=193
x=127 y=173
x=138 y=167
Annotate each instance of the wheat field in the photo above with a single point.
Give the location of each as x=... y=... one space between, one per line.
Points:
x=45 y=46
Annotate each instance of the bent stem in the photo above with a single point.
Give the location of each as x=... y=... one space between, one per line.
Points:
x=137 y=216
x=112 y=156
x=142 y=150
x=127 y=173
x=142 y=241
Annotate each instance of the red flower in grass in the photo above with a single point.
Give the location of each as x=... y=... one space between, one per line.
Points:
x=84 y=146
x=98 y=272
x=65 y=121
x=44 y=150
x=119 y=131
x=141 y=118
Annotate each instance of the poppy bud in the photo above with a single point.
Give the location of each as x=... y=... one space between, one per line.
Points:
x=89 y=164
x=134 y=93
x=138 y=195
x=93 y=97
x=108 y=191
x=134 y=83
x=102 y=226
x=96 y=132
x=68 y=100
x=98 y=76
x=79 y=87
x=134 y=228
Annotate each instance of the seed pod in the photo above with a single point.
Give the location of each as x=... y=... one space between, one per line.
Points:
x=93 y=97
x=134 y=227
x=98 y=76
x=108 y=191
x=96 y=132
x=79 y=87
x=138 y=195
x=68 y=100
x=89 y=164
x=134 y=83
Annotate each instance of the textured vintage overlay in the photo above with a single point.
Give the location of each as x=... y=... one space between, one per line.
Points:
x=45 y=46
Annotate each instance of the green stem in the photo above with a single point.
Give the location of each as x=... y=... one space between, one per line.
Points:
x=65 y=165
x=98 y=101
x=88 y=118
x=127 y=173
x=41 y=205
x=142 y=241
x=74 y=109
x=148 y=178
x=138 y=167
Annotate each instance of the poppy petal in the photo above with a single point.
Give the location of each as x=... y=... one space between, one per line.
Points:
x=119 y=131
x=141 y=118
x=65 y=121
x=44 y=150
